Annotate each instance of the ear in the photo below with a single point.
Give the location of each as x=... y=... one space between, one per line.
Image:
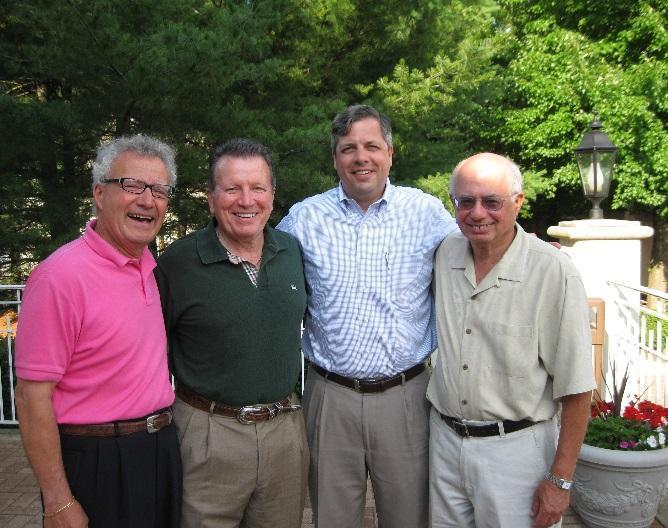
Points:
x=519 y=200
x=209 y=199
x=97 y=195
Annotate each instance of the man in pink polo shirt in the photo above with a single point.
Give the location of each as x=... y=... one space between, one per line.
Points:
x=93 y=394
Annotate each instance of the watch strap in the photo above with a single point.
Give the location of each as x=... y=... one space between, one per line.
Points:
x=559 y=482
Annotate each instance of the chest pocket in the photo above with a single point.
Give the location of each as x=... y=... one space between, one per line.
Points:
x=512 y=348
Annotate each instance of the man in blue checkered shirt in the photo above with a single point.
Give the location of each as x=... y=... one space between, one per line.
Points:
x=368 y=250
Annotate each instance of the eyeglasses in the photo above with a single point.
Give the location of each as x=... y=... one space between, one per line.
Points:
x=492 y=202
x=158 y=190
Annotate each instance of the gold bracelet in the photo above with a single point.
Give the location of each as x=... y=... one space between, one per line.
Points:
x=59 y=510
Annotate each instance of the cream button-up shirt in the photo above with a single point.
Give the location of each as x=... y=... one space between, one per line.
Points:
x=512 y=345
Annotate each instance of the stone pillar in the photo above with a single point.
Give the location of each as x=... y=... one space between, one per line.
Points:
x=608 y=250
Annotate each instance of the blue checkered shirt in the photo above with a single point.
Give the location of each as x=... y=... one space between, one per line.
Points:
x=370 y=309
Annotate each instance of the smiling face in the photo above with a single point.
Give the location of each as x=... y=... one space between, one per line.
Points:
x=485 y=175
x=242 y=199
x=362 y=160
x=129 y=222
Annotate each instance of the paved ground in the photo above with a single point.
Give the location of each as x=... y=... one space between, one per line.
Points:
x=20 y=506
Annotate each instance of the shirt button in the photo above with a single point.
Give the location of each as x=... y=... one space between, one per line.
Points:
x=465 y=366
x=468 y=330
x=464 y=402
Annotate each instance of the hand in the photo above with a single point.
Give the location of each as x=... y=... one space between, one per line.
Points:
x=549 y=504
x=72 y=517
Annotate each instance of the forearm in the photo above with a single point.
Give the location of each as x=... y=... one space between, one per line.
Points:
x=574 y=417
x=41 y=442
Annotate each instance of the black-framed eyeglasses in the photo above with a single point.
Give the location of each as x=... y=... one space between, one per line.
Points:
x=131 y=185
x=492 y=202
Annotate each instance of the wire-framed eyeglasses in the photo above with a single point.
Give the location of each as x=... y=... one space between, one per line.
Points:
x=131 y=185
x=493 y=202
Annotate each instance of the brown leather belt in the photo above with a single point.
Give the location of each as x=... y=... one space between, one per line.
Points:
x=466 y=431
x=370 y=385
x=246 y=414
x=150 y=424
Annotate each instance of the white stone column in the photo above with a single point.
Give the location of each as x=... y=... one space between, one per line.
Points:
x=609 y=250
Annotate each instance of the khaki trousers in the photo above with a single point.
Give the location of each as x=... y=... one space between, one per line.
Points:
x=236 y=475
x=354 y=436
x=487 y=482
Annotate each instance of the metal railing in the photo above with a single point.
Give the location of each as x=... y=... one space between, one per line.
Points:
x=10 y=305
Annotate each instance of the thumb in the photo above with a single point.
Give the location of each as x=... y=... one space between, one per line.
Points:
x=535 y=504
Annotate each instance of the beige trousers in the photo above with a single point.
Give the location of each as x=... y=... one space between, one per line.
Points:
x=236 y=475
x=487 y=482
x=353 y=437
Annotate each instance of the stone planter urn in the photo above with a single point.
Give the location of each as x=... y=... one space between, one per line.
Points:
x=615 y=489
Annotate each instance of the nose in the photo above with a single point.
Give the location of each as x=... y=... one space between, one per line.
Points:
x=478 y=210
x=145 y=198
x=245 y=198
x=361 y=156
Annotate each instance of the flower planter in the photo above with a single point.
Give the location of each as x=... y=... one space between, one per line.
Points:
x=615 y=489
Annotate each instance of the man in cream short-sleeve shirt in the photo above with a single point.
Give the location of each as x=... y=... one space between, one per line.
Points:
x=514 y=349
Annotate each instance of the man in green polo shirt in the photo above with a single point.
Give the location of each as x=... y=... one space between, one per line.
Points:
x=233 y=298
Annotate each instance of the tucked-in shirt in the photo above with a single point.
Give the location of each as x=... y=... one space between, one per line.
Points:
x=369 y=275
x=229 y=340
x=91 y=322
x=511 y=346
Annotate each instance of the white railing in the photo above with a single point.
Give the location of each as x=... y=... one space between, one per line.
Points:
x=639 y=338
x=10 y=305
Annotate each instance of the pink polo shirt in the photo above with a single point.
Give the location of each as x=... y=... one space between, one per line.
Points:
x=91 y=321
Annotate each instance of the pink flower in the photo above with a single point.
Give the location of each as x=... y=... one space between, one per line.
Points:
x=623 y=444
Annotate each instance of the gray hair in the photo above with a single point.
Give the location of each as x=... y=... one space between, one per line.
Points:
x=140 y=144
x=238 y=148
x=513 y=173
x=344 y=120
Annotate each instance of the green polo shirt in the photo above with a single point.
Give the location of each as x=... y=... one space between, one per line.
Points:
x=230 y=341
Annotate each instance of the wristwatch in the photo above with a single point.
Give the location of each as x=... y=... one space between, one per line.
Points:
x=559 y=482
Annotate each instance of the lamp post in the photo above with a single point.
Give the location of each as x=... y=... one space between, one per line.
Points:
x=595 y=156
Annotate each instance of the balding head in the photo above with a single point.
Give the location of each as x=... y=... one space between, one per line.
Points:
x=486 y=161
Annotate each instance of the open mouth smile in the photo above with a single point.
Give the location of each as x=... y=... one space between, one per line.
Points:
x=140 y=218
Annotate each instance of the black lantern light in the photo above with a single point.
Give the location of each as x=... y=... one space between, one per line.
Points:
x=595 y=156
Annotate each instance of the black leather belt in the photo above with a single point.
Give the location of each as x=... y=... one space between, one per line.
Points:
x=370 y=385
x=465 y=430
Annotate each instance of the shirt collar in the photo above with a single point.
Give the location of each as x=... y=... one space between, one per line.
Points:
x=108 y=252
x=210 y=249
x=347 y=202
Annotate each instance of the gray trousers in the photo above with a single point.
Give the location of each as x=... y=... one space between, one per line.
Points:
x=353 y=437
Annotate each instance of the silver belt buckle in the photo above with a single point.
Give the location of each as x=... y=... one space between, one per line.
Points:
x=241 y=414
x=151 y=426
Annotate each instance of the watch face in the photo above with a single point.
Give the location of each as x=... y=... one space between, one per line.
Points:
x=566 y=485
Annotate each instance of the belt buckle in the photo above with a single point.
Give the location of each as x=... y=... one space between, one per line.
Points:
x=151 y=426
x=243 y=411
x=461 y=426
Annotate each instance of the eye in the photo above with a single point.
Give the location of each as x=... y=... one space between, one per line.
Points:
x=465 y=202
x=493 y=203
x=133 y=185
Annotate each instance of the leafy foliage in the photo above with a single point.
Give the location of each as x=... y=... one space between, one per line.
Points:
x=519 y=77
